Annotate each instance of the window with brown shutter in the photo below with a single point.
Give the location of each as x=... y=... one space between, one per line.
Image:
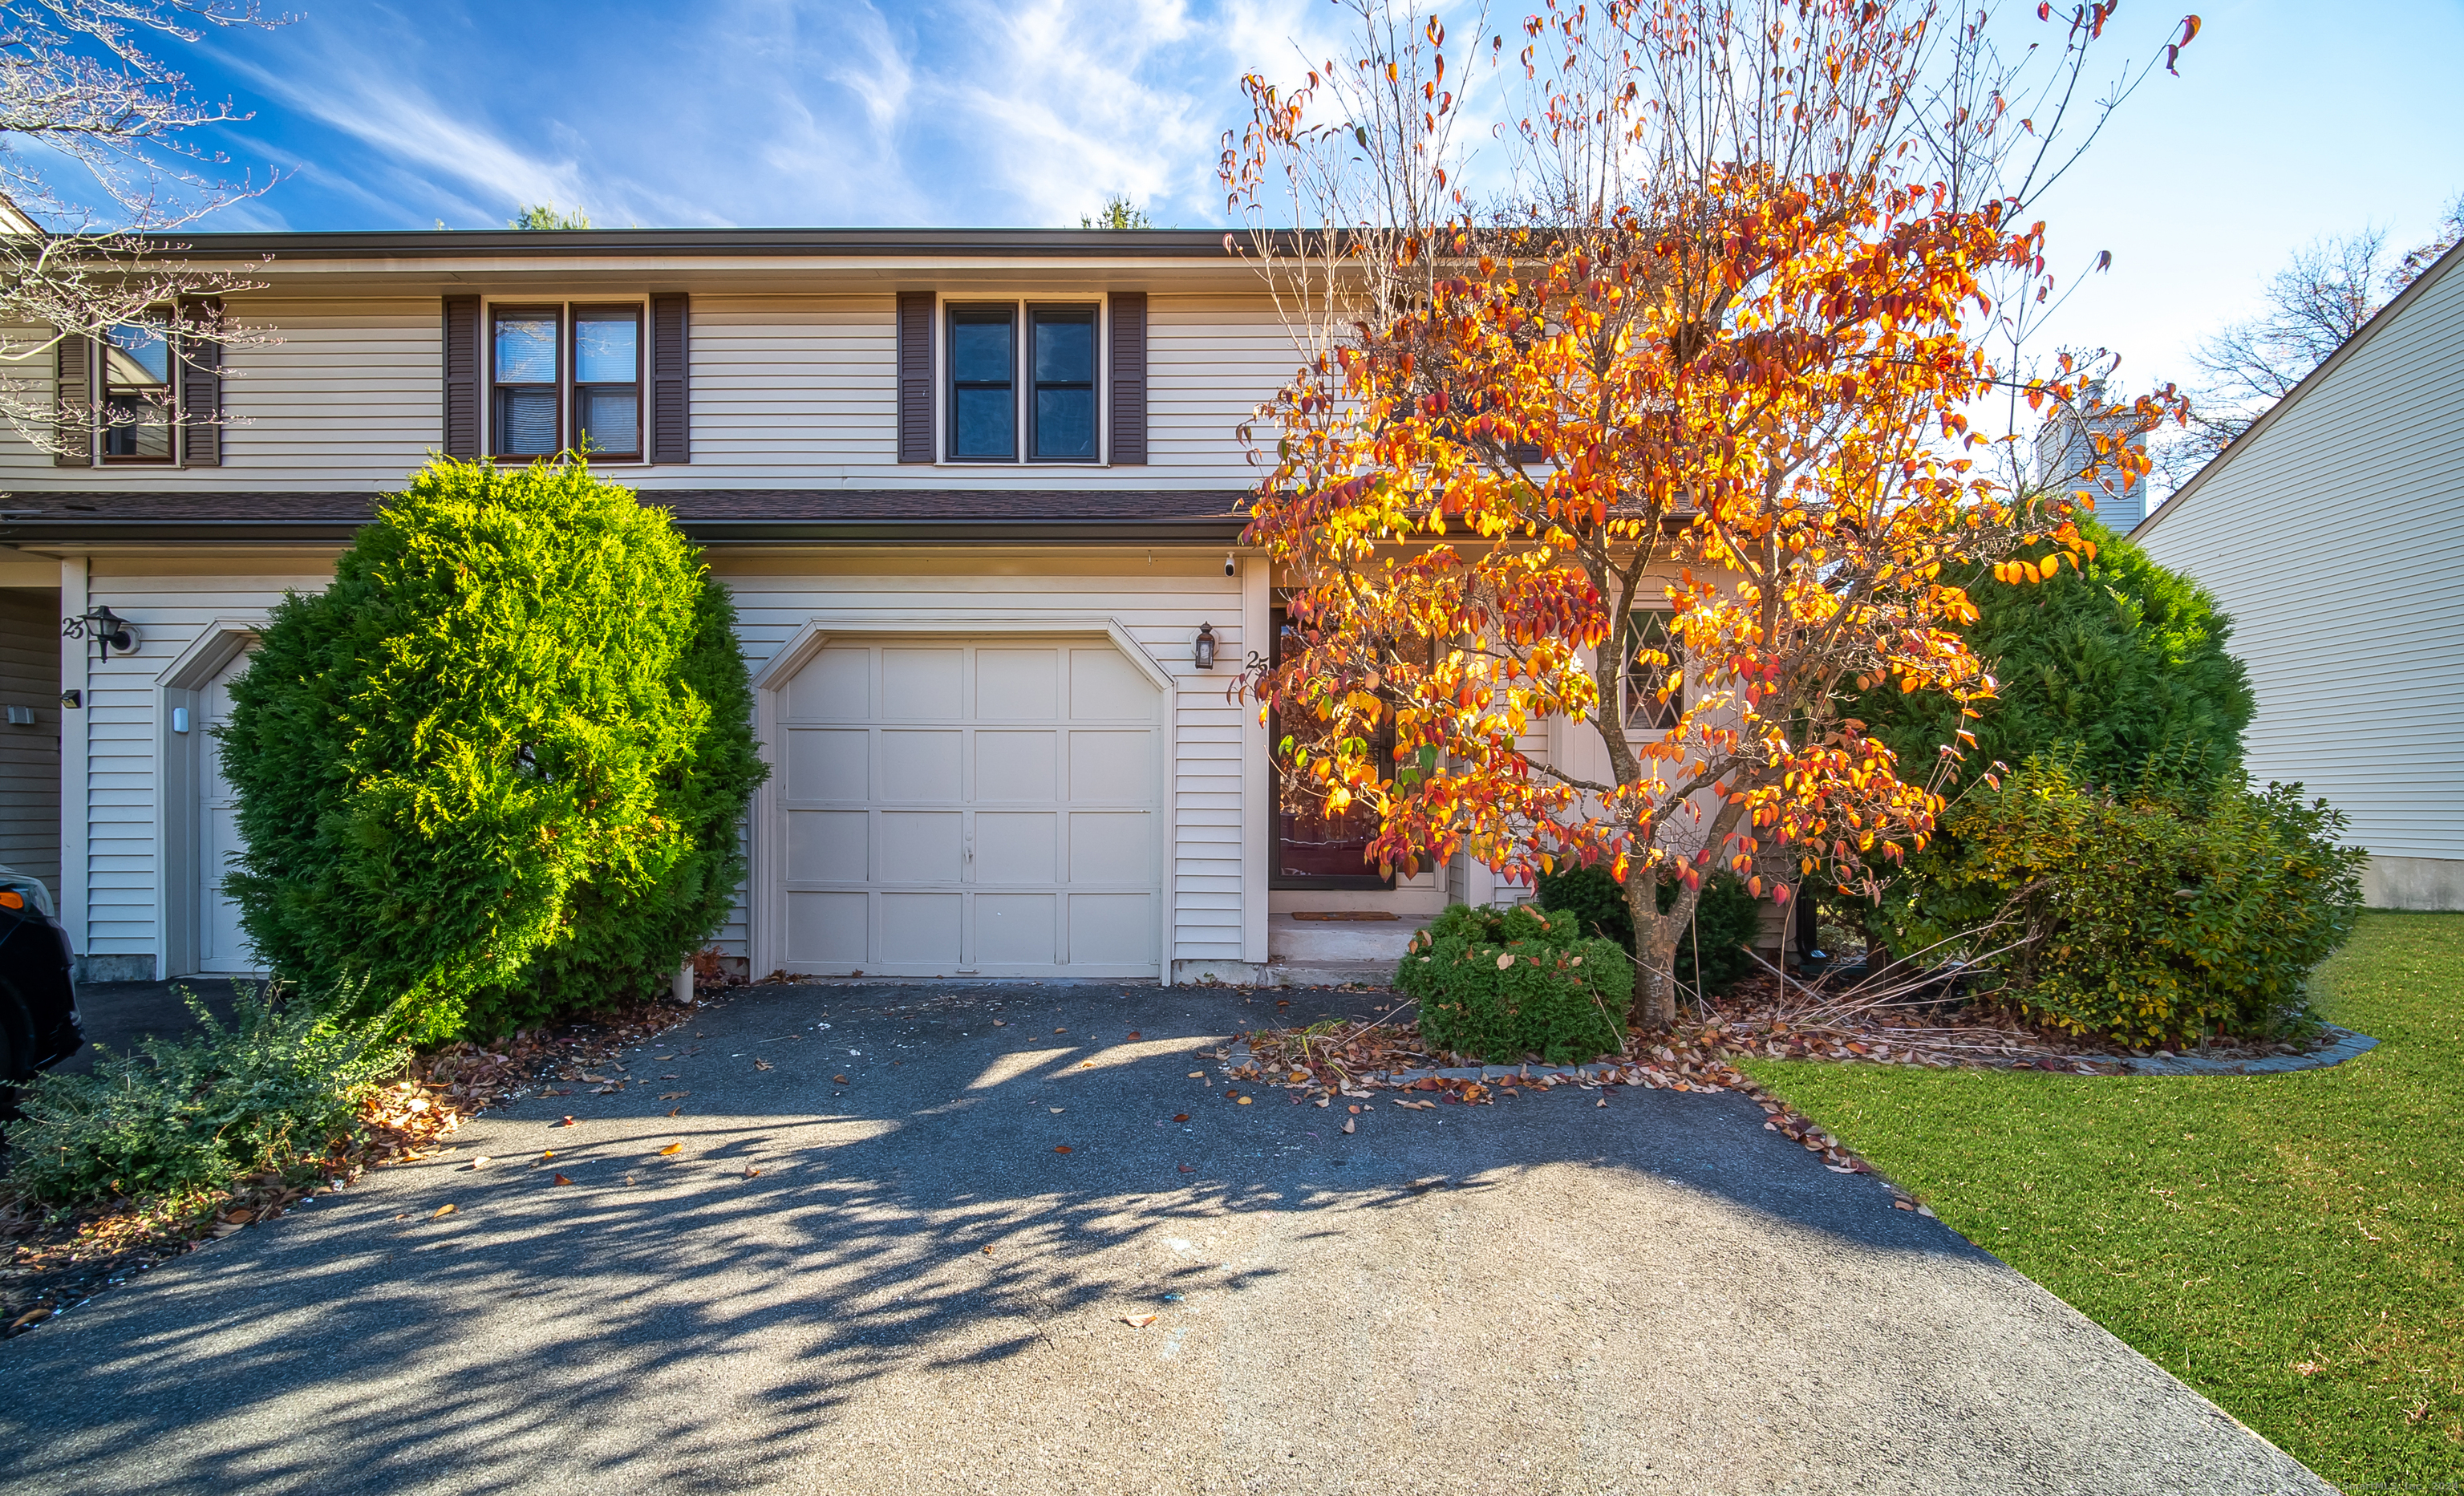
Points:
x=1129 y=378
x=73 y=387
x=140 y=389
x=462 y=377
x=915 y=376
x=201 y=386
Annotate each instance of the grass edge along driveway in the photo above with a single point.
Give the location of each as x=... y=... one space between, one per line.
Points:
x=2288 y=1245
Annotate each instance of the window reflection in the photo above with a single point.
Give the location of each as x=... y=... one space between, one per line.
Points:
x=138 y=392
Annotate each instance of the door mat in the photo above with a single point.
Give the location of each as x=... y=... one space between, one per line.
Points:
x=1344 y=916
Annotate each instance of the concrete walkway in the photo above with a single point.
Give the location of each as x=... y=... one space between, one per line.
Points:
x=1544 y=1295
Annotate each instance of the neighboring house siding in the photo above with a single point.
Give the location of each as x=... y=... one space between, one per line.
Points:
x=349 y=396
x=2335 y=539
x=172 y=599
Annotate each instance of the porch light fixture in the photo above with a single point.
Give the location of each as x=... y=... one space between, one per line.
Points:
x=106 y=628
x=1204 y=656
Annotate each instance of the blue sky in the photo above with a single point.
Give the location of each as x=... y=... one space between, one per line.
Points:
x=2289 y=121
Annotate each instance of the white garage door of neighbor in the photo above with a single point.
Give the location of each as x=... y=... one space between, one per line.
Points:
x=982 y=808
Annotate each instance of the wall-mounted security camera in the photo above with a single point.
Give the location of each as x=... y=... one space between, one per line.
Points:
x=1229 y=568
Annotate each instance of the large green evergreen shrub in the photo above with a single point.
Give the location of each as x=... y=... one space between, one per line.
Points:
x=496 y=770
x=2152 y=916
x=1504 y=984
x=1727 y=919
x=2114 y=666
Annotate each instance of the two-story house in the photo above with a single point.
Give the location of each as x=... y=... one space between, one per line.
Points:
x=977 y=493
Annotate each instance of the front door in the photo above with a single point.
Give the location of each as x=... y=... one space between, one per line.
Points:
x=222 y=946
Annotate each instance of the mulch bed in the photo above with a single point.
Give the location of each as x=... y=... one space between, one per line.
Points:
x=59 y=1258
x=1762 y=1018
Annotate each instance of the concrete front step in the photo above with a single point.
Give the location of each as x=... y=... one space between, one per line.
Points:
x=1310 y=942
x=1326 y=973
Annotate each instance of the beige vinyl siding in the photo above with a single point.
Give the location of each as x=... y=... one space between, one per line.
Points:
x=2335 y=539
x=1160 y=606
x=780 y=384
x=786 y=391
x=29 y=755
x=171 y=600
x=348 y=395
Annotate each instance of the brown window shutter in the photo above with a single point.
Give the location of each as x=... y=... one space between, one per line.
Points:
x=1129 y=378
x=671 y=397
x=201 y=387
x=915 y=376
x=462 y=377
x=73 y=387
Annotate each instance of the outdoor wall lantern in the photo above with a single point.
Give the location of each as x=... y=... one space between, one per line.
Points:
x=106 y=628
x=1204 y=656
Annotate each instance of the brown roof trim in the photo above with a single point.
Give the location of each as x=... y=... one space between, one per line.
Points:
x=922 y=244
x=1084 y=516
x=2351 y=347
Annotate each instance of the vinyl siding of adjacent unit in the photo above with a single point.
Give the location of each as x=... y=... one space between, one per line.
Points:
x=2334 y=539
x=171 y=601
x=785 y=391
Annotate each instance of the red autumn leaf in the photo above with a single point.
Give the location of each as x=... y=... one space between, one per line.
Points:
x=1061 y=1148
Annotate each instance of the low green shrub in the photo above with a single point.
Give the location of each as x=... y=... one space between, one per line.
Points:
x=1726 y=918
x=282 y=1080
x=1504 y=984
x=2151 y=917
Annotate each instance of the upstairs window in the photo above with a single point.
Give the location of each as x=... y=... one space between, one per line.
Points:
x=984 y=374
x=1064 y=385
x=607 y=379
x=1031 y=396
x=137 y=391
x=529 y=407
x=551 y=395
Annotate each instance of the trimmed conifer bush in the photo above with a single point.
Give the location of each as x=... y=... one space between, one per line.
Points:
x=1504 y=984
x=495 y=771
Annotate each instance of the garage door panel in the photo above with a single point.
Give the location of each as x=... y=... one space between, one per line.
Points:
x=1104 y=685
x=920 y=930
x=1018 y=685
x=1112 y=765
x=837 y=687
x=1017 y=765
x=922 y=684
x=1112 y=846
x=1017 y=930
x=828 y=846
x=1017 y=847
x=922 y=846
x=829 y=763
x=1112 y=929
x=972 y=806
x=921 y=766
x=825 y=929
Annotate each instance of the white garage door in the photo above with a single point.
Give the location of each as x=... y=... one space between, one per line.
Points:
x=986 y=807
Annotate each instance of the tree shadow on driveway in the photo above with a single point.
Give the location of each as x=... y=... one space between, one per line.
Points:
x=937 y=1274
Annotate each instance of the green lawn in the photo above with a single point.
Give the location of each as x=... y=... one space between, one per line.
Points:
x=2290 y=1245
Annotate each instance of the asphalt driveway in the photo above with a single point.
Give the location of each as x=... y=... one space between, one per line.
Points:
x=899 y=1283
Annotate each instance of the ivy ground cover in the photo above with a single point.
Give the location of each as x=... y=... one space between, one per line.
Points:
x=2292 y=1246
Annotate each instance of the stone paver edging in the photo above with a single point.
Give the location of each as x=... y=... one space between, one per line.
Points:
x=2347 y=1045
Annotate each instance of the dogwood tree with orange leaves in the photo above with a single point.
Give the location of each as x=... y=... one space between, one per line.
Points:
x=1672 y=444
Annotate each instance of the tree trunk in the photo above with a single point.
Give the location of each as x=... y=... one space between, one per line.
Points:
x=1655 y=949
x=1655 y=977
